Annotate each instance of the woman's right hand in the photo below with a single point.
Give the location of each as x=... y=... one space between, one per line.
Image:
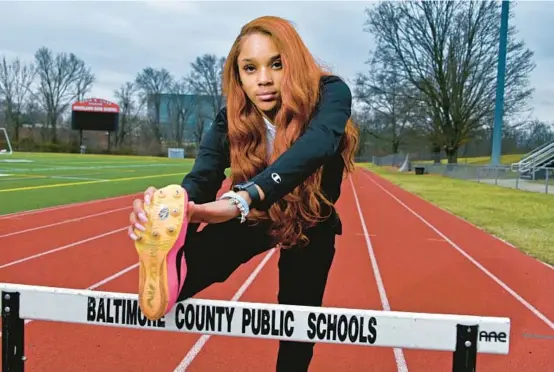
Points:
x=138 y=216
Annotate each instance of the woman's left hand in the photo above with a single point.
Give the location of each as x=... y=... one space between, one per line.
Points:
x=213 y=212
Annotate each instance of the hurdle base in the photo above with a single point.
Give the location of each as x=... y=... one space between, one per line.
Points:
x=465 y=355
x=13 y=334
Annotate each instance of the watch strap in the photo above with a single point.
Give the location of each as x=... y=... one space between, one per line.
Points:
x=250 y=188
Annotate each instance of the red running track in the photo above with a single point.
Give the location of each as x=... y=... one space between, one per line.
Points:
x=427 y=260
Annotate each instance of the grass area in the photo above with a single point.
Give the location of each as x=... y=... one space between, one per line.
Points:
x=504 y=159
x=37 y=180
x=524 y=219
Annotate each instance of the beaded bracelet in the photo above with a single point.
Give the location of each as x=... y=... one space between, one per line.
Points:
x=238 y=201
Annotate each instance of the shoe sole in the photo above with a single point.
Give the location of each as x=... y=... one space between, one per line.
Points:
x=157 y=249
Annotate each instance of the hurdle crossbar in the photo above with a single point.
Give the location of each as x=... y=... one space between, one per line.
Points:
x=463 y=335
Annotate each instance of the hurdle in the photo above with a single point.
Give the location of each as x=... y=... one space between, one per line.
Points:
x=463 y=335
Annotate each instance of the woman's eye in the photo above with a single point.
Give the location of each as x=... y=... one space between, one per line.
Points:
x=276 y=65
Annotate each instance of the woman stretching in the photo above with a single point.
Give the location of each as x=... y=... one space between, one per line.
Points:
x=287 y=137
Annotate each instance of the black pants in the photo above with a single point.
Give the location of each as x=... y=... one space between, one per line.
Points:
x=216 y=251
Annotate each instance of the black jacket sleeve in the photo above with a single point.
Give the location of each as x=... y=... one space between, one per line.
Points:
x=208 y=171
x=319 y=142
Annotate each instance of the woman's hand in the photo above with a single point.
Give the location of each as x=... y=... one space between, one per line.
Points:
x=138 y=216
x=213 y=212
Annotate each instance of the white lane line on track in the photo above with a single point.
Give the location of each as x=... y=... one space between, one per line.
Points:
x=398 y=353
x=197 y=347
x=64 y=247
x=100 y=283
x=504 y=286
x=366 y=173
x=76 y=219
x=64 y=206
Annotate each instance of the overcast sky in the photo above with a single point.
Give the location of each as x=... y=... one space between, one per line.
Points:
x=118 y=39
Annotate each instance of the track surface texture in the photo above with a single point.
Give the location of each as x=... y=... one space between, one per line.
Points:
x=414 y=257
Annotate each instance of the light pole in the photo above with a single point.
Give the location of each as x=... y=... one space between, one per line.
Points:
x=500 y=77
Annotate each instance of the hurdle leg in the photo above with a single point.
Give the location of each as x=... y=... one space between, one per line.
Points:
x=465 y=355
x=13 y=334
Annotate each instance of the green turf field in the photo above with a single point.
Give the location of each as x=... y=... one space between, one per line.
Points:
x=525 y=219
x=37 y=180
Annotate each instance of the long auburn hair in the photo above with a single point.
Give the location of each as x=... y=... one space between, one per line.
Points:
x=300 y=94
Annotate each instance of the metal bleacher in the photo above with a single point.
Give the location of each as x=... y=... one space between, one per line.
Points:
x=535 y=164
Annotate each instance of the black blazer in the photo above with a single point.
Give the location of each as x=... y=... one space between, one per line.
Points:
x=317 y=147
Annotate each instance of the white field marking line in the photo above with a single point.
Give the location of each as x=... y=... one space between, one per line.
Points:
x=100 y=283
x=76 y=219
x=530 y=307
x=77 y=178
x=19 y=178
x=29 y=258
x=9 y=179
x=398 y=354
x=60 y=168
x=367 y=172
x=65 y=206
x=197 y=347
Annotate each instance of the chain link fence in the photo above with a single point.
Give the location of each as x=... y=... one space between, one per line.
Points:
x=502 y=175
x=539 y=179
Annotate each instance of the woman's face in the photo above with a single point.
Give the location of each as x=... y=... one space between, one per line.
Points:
x=261 y=72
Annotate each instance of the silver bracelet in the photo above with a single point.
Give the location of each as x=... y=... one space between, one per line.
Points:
x=238 y=201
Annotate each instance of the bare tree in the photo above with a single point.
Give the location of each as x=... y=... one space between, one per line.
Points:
x=181 y=104
x=152 y=84
x=206 y=78
x=390 y=101
x=536 y=133
x=62 y=79
x=364 y=121
x=15 y=83
x=448 y=52
x=200 y=127
x=130 y=108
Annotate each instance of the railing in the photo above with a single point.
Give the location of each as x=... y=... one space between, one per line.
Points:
x=535 y=158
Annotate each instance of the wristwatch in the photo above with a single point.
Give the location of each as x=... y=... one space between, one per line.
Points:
x=252 y=191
